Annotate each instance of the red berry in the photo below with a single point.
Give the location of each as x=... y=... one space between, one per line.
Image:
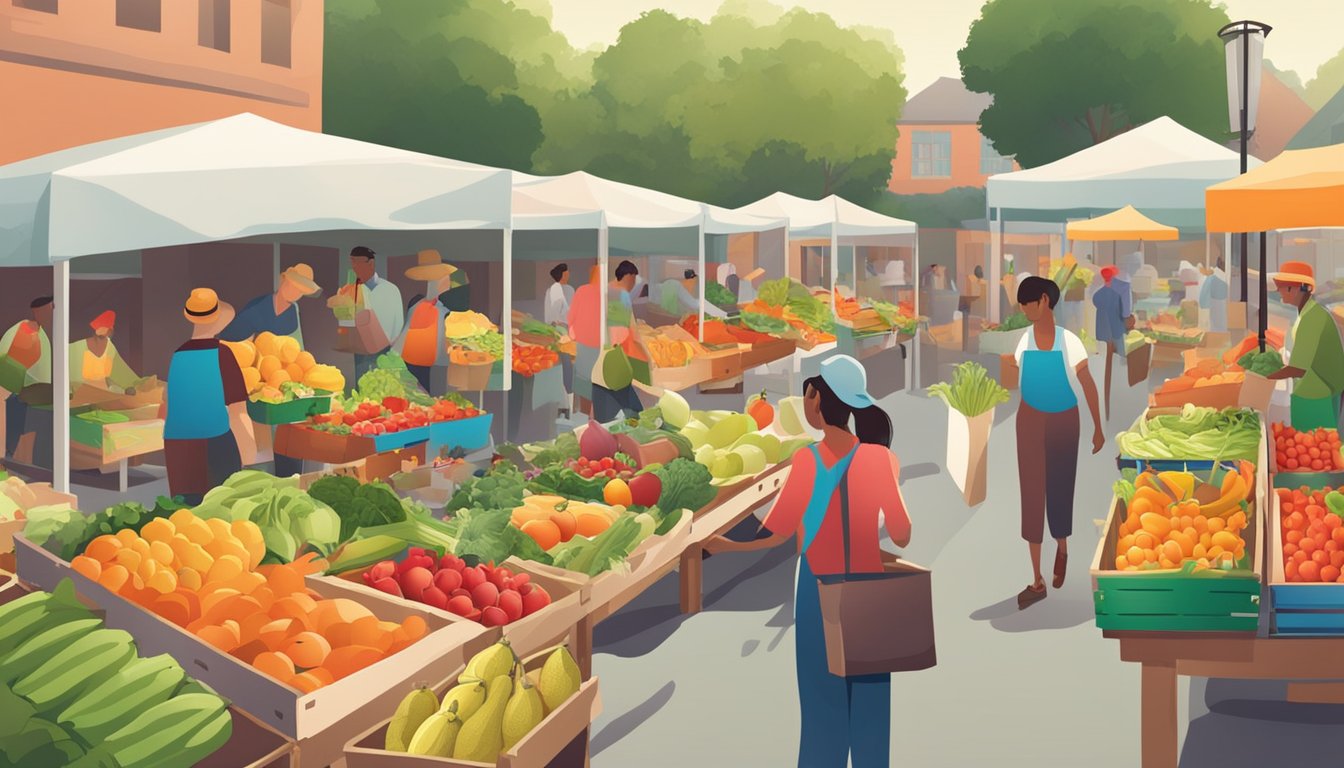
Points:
x=448 y=580
x=535 y=600
x=512 y=604
x=388 y=585
x=485 y=595
x=493 y=616
x=435 y=598
x=461 y=605
x=415 y=581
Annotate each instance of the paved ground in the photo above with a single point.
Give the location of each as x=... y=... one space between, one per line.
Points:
x=1034 y=688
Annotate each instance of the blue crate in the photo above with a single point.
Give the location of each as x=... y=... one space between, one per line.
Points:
x=467 y=434
x=392 y=441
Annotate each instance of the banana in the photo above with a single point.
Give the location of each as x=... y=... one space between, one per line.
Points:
x=560 y=678
x=467 y=697
x=493 y=662
x=104 y=709
x=523 y=713
x=38 y=649
x=79 y=666
x=437 y=736
x=411 y=713
x=31 y=618
x=482 y=738
x=162 y=728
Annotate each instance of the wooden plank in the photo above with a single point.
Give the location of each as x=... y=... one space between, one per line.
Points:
x=1177 y=603
x=1178 y=624
x=1316 y=693
x=1308 y=623
x=1308 y=596
x=692 y=579
x=1158 y=715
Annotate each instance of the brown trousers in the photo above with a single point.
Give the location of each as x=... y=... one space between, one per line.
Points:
x=1047 y=466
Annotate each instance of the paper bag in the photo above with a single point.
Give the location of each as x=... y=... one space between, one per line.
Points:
x=968 y=453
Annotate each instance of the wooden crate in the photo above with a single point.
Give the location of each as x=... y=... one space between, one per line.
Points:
x=649 y=562
x=1300 y=610
x=1170 y=601
x=319 y=721
x=560 y=740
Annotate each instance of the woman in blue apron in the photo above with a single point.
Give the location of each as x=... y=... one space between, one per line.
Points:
x=843 y=718
x=1050 y=361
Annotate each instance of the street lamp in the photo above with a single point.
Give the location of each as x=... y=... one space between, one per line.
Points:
x=1244 y=46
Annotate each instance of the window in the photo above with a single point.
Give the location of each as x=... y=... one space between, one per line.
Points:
x=277 y=27
x=932 y=154
x=45 y=6
x=140 y=14
x=991 y=161
x=213 y=24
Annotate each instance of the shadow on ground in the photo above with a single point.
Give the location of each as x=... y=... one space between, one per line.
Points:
x=627 y=722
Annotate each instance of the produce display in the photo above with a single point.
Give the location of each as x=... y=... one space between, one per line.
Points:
x=668 y=352
x=1274 y=339
x=492 y=595
x=392 y=414
x=491 y=706
x=530 y=359
x=971 y=391
x=291 y=521
x=472 y=338
x=553 y=520
x=1175 y=520
x=1134 y=340
x=1311 y=524
x=208 y=576
x=269 y=362
x=719 y=295
x=76 y=693
x=64 y=531
x=1014 y=322
x=1209 y=372
x=1174 y=334
x=535 y=327
x=1195 y=434
x=732 y=446
x=1314 y=451
x=358 y=505
x=796 y=304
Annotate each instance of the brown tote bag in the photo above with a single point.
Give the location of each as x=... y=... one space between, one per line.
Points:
x=877 y=623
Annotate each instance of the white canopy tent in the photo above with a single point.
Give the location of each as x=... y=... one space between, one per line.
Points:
x=1161 y=168
x=235 y=178
x=581 y=200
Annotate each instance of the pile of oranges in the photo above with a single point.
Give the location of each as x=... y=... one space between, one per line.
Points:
x=205 y=576
x=530 y=359
x=1313 y=537
x=1314 y=451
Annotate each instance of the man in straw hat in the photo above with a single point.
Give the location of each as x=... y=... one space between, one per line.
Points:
x=1317 y=357
x=276 y=312
x=207 y=435
x=421 y=342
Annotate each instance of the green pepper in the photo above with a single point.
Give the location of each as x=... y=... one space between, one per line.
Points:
x=1334 y=501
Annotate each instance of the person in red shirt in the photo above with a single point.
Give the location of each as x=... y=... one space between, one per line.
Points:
x=843 y=718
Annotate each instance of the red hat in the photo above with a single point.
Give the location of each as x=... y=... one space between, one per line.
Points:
x=1295 y=272
x=1109 y=272
x=106 y=320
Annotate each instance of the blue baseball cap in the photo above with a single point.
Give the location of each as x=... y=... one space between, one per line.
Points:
x=848 y=380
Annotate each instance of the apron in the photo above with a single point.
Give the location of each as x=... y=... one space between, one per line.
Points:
x=421 y=345
x=96 y=369
x=195 y=397
x=1045 y=377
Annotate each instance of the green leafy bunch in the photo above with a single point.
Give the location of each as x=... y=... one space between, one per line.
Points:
x=971 y=391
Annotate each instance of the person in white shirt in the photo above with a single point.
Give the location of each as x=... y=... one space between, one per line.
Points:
x=556 y=309
x=379 y=296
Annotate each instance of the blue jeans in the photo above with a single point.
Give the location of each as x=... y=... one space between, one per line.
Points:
x=843 y=717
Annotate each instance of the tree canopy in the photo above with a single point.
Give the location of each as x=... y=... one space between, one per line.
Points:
x=1066 y=74
x=1328 y=81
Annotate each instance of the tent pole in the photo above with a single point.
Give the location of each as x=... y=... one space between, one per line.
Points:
x=60 y=383
x=275 y=265
x=603 y=258
x=507 y=319
x=1264 y=293
x=915 y=344
x=995 y=263
x=700 y=271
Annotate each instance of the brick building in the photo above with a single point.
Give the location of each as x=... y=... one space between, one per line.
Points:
x=940 y=146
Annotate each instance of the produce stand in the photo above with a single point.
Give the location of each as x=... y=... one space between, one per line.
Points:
x=289 y=412
x=300 y=442
x=1300 y=609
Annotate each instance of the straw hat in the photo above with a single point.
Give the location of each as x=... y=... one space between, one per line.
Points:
x=203 y=307
x=429 y=266
x=1298 y=272
x=302 y=276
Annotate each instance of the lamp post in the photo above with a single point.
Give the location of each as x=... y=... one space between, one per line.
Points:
x=1244 y=41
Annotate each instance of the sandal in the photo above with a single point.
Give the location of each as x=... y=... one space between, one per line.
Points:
x=1030 y=596
x=1061 y=566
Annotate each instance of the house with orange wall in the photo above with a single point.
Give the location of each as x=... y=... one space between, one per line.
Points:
x=78 y=71
x=940 y=145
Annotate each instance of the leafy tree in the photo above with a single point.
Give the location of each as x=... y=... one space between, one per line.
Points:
x=1328 y=81
x=1067 y=74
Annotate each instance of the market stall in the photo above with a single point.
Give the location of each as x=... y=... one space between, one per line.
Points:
x=866 y=325
x=240 y=179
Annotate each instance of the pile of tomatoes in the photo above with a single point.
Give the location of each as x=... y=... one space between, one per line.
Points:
x=1313 y=537
x=394 y=414
x=607 y=467
x=1315 y=451
x=529 y=359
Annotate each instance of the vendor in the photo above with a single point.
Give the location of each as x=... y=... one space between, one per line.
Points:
x=380 y=297
x=28 y=343
x=277 y=312
x=681 y=297
x=422 y=343
x=558 y=297
x=207 y=435
x=96 y=361
x=1317 y=356
x=1213 y=297
x=1050 y=364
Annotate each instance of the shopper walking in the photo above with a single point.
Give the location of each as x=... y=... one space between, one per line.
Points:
x=843 y=718
x=1111 y=324
x=1051 y=364
x=608 y=403
x=1317 y=356
x=207 y=434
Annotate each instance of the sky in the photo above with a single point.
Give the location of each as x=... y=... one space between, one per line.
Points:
x=930 y=32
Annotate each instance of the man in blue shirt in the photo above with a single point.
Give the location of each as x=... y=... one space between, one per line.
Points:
x=277 y=312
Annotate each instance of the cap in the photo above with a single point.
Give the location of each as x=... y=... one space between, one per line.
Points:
x=689 y=274
x=848 y=380
x=301 y=275
x=1109 y=272
x=1299 y=272
x=106 y=320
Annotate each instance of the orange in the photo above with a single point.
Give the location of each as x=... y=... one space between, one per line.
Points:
x=343 y=662
x=87 y=566
x=103 y=548
x=249 y=535
x=308 y=649
x=276 y=633
x=591 y=524
x=308 y=682
x=544 y=532
x=567 y=524
x=338 y=610
x=415 y=627
x=282 y=579
x=1135 y=555
x=173 y=608
x=162 y=581
x=225 y=638
x=158 y=529
x=275 y=664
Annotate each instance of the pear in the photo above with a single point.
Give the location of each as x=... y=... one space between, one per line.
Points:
x=437 y=736
x=523 y=713
x=411 y=713
x=560 y=678
x=482 y=737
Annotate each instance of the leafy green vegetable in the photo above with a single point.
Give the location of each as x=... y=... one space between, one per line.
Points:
x=359 y=505
x=1124 y=487
x=558 y=451
x=487 y=536
x=971 y=392
x=563 y=481
x=419 y=529
x=1014 y=322
x=604 y=551
x=719 y=295
x=1334 y=501
x=686 y=485
x=775 y=292
x=291 y=521
x=1262 y=363
x=764 y=323
x=538 y=328
x=501 y=487
x=1195 y=434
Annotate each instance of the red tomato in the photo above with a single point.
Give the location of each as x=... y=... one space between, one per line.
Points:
x=1290 y=571
x=1310 y=572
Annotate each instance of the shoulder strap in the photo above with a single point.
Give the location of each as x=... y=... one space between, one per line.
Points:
x=844 y=503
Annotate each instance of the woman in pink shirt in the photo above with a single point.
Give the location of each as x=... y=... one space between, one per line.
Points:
x=843 y=718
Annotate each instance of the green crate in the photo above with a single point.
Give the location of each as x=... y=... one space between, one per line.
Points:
x=291 y=412
x=12 y=374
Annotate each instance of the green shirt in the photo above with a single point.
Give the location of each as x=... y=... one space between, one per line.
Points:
x=1318 y=351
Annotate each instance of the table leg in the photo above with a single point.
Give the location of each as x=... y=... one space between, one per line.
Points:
x=1158 y=715
x=583 y=646
x=122 y=472
x=692 y=570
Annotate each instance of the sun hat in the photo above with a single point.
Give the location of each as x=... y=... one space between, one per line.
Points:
x=848 y=380
x=202 y=306
x=429 y=266
x=1295 y=272
x=302 y=276
x=107 y=319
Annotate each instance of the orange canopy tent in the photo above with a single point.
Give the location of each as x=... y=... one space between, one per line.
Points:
x=1124 y=224
x=1298 y=189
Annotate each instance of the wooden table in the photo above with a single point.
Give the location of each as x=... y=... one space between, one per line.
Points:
x=1164 y=655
